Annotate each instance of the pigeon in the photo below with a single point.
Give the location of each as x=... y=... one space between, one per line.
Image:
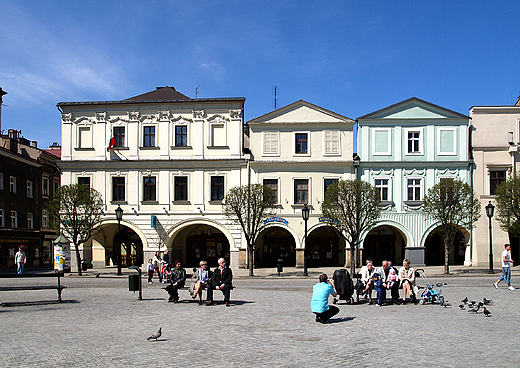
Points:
x=155 y=336
x=465 y=300
x=486 y=312
x=461 y=306
x=473 y=302
x=487 y=301
x=447 y=305
x=475 y=309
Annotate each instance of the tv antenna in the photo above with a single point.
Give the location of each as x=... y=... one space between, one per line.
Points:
x=275 y=96
x=197 y=91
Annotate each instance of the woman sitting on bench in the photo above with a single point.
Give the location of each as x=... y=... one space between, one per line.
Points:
x=407 y=280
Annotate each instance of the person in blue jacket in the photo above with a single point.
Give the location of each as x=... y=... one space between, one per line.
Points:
x=320 y=299
x=378 y=285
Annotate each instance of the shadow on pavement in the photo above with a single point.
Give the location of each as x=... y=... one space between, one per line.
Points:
x=342 y=319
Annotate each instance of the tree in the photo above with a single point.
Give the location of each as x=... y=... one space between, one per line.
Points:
x=75 y=211
x=508 y=205
x=249 y=206
x=453 y=204
x=352 y=207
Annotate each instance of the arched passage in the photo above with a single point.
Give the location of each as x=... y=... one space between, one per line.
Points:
x=384 y=242
x=197 y=240
x=434 y=248
x=274 y=243
x=323 y=247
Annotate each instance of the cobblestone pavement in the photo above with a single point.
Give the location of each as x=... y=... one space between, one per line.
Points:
x=102 y=324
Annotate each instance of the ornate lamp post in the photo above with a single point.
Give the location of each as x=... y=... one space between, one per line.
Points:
x=305 y=216
x=490 y=209
x=119 y=217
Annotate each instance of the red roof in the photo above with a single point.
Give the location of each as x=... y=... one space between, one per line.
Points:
x=161 y=93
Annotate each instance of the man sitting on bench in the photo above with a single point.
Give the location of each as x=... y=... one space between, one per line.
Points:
x=221 y=280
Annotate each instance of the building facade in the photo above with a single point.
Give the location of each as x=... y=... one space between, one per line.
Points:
x=495 y=144
x=405 y=149
x=298 y=151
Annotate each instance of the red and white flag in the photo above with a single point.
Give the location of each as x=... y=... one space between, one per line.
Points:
x=111 y=143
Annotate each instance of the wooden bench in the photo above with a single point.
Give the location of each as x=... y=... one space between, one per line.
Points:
x=58 y=287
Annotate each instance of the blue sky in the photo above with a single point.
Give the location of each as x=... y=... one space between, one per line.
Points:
x=351 y=57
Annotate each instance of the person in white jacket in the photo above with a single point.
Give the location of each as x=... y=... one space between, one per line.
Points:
x=20 y=259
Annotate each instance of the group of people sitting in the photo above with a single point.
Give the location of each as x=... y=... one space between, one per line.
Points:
x=203 y=278
x=388 y=278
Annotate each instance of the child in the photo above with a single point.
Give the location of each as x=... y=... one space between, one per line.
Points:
x=392 y=278
x=150 y=270
x=378 y=285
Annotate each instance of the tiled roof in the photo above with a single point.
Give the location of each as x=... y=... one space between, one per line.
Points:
x=161 y=93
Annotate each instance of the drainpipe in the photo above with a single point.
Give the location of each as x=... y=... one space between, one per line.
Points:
x=471 y=164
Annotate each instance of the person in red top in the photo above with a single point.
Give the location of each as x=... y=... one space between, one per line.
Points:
x=221 y=280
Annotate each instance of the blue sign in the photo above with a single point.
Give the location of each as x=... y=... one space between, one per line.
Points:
x=153 y=220
x=276 y=219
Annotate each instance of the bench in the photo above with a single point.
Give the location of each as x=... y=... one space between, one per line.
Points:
x=58 y=287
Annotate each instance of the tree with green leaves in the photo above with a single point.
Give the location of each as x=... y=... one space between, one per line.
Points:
x=249 y=206
x=453 y=205
x=507 y=200
x=75 y=212
x=351 y=207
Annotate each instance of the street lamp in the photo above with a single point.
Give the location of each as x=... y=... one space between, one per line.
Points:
x=305 y=216
x=119 y=217
x=490 y=209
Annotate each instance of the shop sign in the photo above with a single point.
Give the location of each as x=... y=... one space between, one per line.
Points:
x=276 y=219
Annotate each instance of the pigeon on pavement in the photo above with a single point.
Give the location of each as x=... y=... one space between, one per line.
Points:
x=486 y=312
x=465 y=300
x=155 y=336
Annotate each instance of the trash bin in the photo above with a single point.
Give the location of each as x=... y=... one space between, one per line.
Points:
x=84 y=265
x=279 y=265
x=133 y=282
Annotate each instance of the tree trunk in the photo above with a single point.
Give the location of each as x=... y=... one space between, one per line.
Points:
x=78 y=259
x=251 y=261
x=446 y=255
x=352 y=260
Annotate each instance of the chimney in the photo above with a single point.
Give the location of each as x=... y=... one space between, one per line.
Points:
x=13 y=140
x=2 y=94
x=34 y=144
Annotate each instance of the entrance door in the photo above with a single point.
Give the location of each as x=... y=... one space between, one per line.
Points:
x=208 y=248
x=131 y=248
x=277 y=243
x=322 y=248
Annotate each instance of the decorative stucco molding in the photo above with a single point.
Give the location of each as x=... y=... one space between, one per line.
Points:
x=101 y=116
x=235 y=114
x=199 y=114
x=133 y=115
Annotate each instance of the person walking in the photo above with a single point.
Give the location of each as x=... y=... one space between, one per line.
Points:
x=507 y=262
x=157 y=263
x=320 y=299
x=150 y=270
x=20 y=259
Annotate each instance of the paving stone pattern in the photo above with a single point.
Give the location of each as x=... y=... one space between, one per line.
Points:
x=102 y=324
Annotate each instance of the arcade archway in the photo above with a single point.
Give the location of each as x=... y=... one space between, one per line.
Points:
x=275 y=243
x=382 y=243
x=131 y=247
x=323 y=244
x=434 y=249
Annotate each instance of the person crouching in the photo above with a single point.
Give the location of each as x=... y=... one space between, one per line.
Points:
x=320 y=299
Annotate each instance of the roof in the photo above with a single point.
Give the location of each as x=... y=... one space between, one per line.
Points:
x=160 y=95
x=54 y=151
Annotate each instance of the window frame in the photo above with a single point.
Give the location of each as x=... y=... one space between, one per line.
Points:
x=498 y=181
x=30 y=190
x=80 y=144
x=119 y=186
x=146 y=135
x=2 y=218
x=419 y=140
x=276 y=150
x=420 y=186
x=2 y=181
x=307 y=142
x=373 y=143
x=45 y=218
x=45 y=186
x=14 y=219
x=119 y=138
x=30 y=220
x=296 y=191
x=276 y=191
x=212 y=142
x=79 y=178
x=149 y=188
x=214 y=186
x=325 y=186
x=332 y=140
x=12 y=184
x=184 y=186
x=455 y=146
x=388 y=188
x=181 y=134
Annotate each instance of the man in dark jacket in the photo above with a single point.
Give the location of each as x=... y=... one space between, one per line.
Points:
x=221 y=280
x=177 y=279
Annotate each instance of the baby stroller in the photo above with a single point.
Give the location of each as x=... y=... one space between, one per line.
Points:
x=167 y=272
x=430 y=295
x=344 y=286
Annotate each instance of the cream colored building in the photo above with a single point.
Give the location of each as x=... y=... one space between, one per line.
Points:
x=495 y=142
x=168 y=161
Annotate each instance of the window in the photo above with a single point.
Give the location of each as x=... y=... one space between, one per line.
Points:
x=301 y=143
x=30 y=224
x=181 y=188
x=273 y=184
x=218 y=135
x=181 y=136
x=270 y=143
x=1 y=181
x=382 y=186
x=84 y=180
x=413 y=142
x=45 y=218
x=12 y=184
x=496 y=177
x=414 y=189
x=45 y=186
x=118 y=189
x=2 y=222
x=149 y=136
x=149 y=188
x=327 y=183
x=331 y=142
x=29 y=189
x=84 y=137
x=56 y=186
x=447 y=141
x=217 y=188
x=14 y=219
x=119 y=136
x=301 y=191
